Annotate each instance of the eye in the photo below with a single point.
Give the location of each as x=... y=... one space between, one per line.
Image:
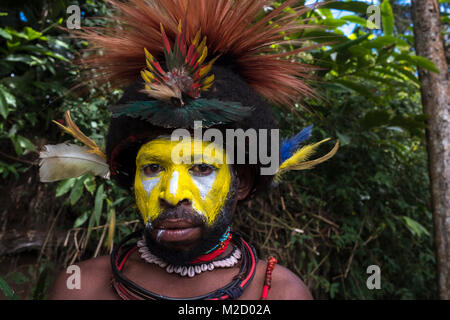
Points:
x=152 y=170
x=202 y=169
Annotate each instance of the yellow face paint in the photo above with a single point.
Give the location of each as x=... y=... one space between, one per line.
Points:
x=161 y=176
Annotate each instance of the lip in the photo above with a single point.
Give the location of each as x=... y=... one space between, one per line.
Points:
x=176 y=230
x=175 y=224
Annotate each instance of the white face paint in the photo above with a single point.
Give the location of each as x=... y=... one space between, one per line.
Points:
x=149 y=184
x=174 y=182
x=204 y=183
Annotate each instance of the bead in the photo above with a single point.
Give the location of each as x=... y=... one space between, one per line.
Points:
x=184 y=271
x=198 y=269
x=169 y=268
x=210 y=266
x=204 y=267
x=191 y=272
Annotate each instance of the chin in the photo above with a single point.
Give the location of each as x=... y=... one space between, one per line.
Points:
x=195 y=243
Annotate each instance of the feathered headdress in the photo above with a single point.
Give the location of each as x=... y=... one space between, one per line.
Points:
x=239 y=31
x=172 y=46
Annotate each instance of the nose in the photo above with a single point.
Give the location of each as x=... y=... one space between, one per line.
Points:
x=176 y=190
x=164 y=204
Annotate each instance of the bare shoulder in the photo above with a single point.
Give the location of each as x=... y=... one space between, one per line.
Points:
x=286 y=285
x=86 y=281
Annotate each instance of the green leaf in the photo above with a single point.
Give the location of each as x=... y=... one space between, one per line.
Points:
x=10 y=99
x=424 y=63
x=7 y=290
x=25 y=144
x=64 y=186
x=77 y=191
x=89 y=184
x=4 y=110
x=31 y=34
x=81 y=219
x=344 y=46
x=98 y=207
x=415 y=227
x=343 y=139
x=5 y=34
x=387 y=17
x=355 y=19
x=352 y=6
x=25 y=58
x=361 y=89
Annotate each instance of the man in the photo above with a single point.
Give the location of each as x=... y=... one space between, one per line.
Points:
x=188 y=185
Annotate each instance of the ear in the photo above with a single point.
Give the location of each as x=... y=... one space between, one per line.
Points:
x=297 y=160
x=246 y=178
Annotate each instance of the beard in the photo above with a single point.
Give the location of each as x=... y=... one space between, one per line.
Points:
x=210 y=234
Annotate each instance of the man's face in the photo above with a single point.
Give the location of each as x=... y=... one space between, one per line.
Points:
x=183 y=201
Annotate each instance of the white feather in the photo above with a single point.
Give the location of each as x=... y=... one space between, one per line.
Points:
x=64 y=161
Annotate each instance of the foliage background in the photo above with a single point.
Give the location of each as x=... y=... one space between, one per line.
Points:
x=369 y=205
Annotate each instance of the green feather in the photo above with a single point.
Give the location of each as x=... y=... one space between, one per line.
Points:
x=210 y=111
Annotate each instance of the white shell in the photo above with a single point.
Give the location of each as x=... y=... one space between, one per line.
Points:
x=190 y=271
x=141 y=243
x=169 y=268
x=143 y=249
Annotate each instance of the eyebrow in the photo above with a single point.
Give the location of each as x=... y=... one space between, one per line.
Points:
x=149 y=158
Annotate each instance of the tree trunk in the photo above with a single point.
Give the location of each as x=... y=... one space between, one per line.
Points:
x=436 y=101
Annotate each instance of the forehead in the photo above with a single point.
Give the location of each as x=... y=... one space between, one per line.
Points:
x=165 y=149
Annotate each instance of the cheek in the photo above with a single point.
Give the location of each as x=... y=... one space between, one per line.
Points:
x=146 y=193
x=205 y=184
x=213 y=191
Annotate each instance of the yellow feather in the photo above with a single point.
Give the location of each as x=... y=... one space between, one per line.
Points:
x=197 y=38
x=144 y=76
x=201 y=46
x=148 y=55
x=203 y=56
x=208 y=81
x=73 y=130
x=205 y=69
x=298 y=160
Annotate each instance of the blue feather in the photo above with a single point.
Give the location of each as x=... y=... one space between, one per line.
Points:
x=289 y=146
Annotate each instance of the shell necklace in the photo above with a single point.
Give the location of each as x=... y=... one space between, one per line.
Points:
x=201 y=264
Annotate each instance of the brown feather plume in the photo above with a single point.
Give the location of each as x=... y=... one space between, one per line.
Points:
x=117 y=52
